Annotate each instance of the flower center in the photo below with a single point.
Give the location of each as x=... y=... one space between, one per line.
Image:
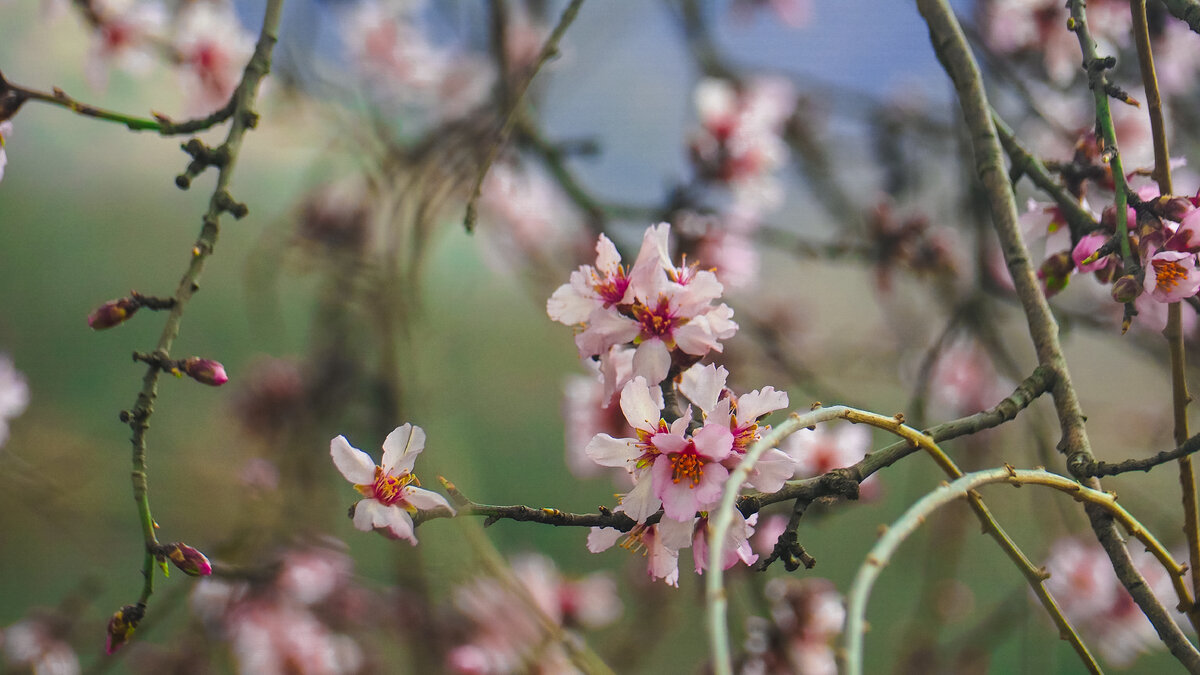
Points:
x=611 y=289
x=687 y=465
x=1168 y=273
x=645 y=444
x=387 y=489
x=657 y=322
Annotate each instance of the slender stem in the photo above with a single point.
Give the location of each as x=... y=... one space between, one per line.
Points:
x=138 y=417
x=549 y=49
x=881 y=554
x=1101 y=469
x=1174 y=330
x=17 y=95
x=719 y=524
x=1078 y=219
x=951 y=47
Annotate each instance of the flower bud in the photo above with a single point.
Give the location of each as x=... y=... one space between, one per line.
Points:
x=122 y=625
x=1055 y=272
x=1126 y=289
x=205 y=371
x=112 y=313
x=192 y=562
x=1172 y=208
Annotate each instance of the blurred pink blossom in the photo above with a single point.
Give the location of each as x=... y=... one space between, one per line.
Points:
x=14 y=394
x=35 y=644
x=1092 y=598
x=214 y=49
x=831 y=446
x=125 y=37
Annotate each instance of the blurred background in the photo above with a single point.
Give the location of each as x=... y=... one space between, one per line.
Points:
x=352 y=300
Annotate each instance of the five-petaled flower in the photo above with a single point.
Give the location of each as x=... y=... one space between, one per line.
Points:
x=391 y=490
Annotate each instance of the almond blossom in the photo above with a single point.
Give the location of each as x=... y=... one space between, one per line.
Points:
x=38 y=644
x=1092 y=598
x=660 y=543
x=739 y=142
x=507 y=635
x=213 y=48
x=704 y=386
x=391 y=495
x=125 y=36
x=662 y=309
x=831 y=446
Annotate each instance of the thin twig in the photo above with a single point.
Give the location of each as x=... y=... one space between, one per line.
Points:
x=549 y=49
x=881 y=553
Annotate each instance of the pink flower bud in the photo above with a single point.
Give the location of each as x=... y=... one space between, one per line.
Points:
x=121 y=626
x=1172 y=208
x=112 y=313
x=205 y=371
x=192 y=562
x=1126 y=289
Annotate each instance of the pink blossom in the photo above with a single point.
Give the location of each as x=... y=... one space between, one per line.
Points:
x=37 y=645
x=526 y=216
x=1089 y=244
x=704 y=386
x=805 y=620
x=14 y=394
x=660 y=543
x=687 y=473
x=125 y=36
x=828 y=447
x=739 y=141
x=964 y=381
x=590 y=288
x=1091 y=597
x=792 y=13
x=657 y=306
x=507 y=635
x=737 y=542
x=1171 y=276
x=389 y=489
x=214 y=49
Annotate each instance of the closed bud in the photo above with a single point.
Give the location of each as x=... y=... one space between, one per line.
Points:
x=121 y=626
x=1126 y=289
x=112 y=313
x=205 y=371
x=1055 y=272
x=192 y=562
x=1173 y=208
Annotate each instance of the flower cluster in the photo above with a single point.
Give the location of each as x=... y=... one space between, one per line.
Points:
x=739 y=142
x=390 y=491
x=287 y=622
x=648 y=326
x=507 y=625
x=204 y=39
x=38 y=644
x=806 y=618
x=662 y=312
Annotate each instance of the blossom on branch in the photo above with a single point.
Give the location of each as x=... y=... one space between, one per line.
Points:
x=664 y=310
x=390 y=490
x=214 y=49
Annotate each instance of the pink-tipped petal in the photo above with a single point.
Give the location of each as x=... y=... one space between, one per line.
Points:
x=355 y=465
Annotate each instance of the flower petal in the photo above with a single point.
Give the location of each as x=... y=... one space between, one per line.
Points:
x=614 y=452
x=356 y=466
x=602 y=538
x=401 y=447
x=652 y=360
x=772 y=470
x=425 y=500
x=703 y=385
x=760 y=402
x=640 y=503
x=641 y=409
